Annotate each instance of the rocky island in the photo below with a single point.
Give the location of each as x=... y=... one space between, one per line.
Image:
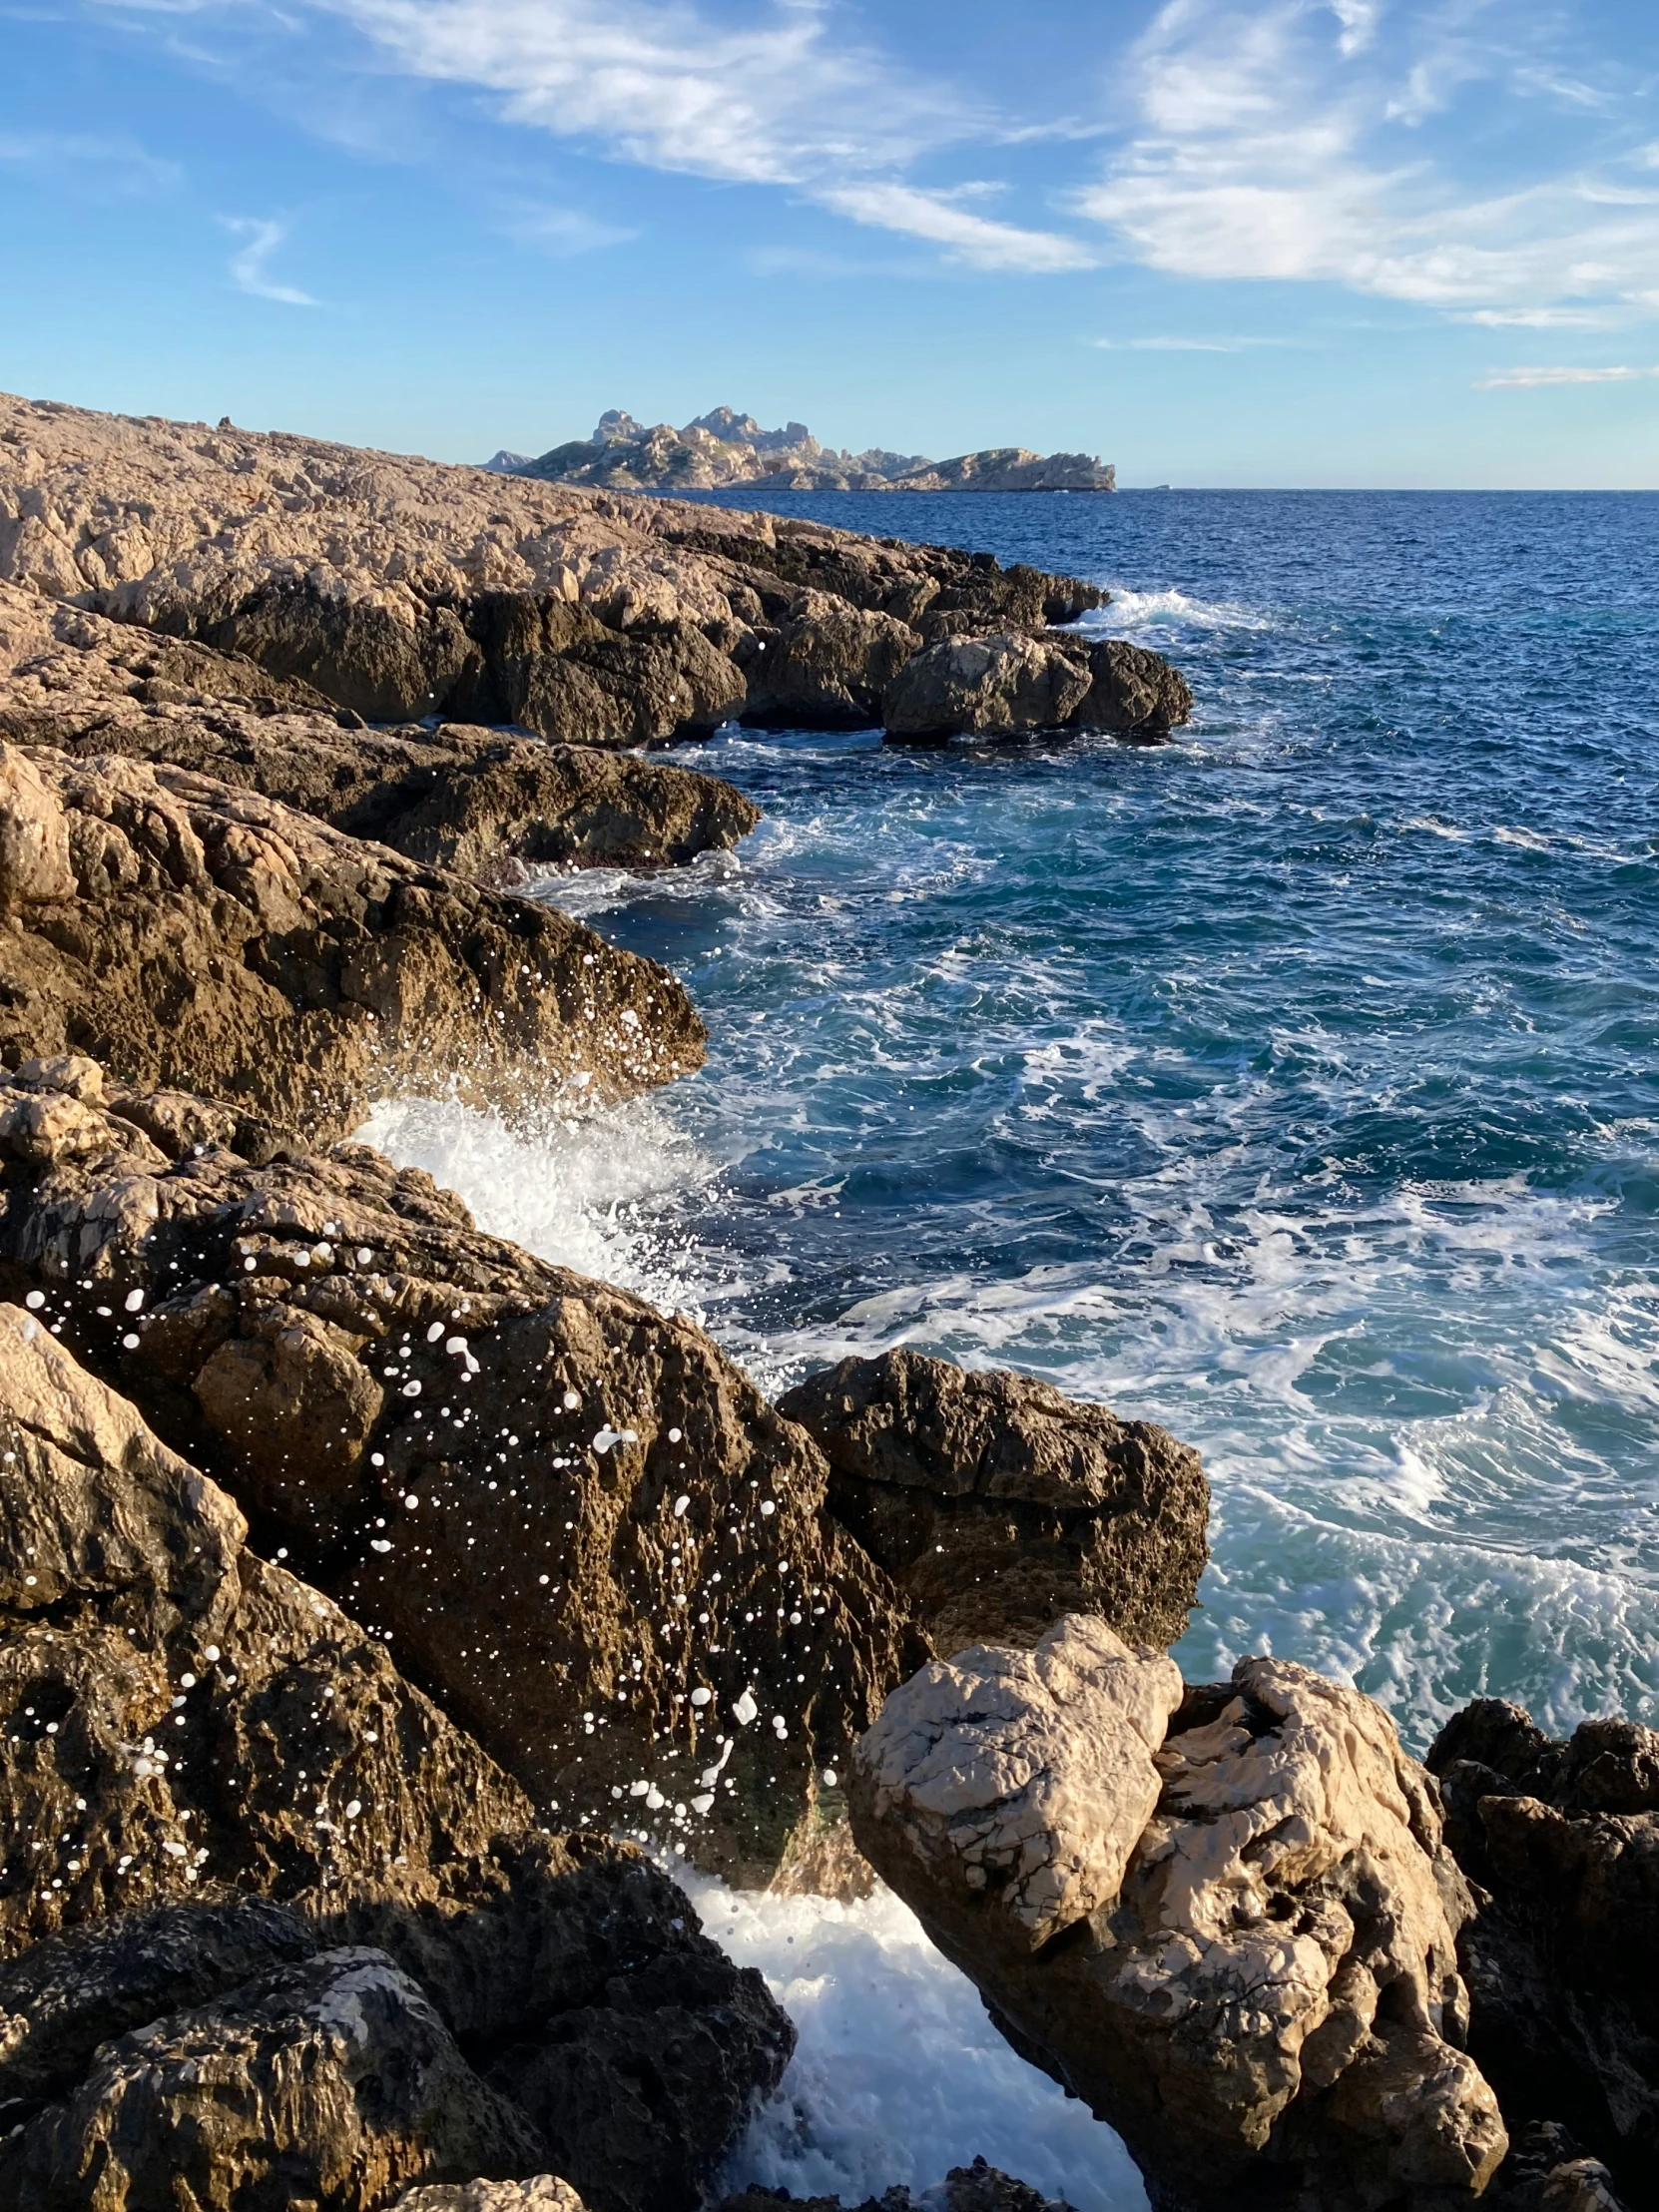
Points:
x=386 y=1614
x=723 y=447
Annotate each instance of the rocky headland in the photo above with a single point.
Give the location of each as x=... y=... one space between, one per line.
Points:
x=723 y=447
x=385 y=1612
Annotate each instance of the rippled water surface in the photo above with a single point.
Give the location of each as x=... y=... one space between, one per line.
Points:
x=1296 y=1085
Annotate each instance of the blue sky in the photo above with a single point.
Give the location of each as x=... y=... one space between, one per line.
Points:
x=1219 y=242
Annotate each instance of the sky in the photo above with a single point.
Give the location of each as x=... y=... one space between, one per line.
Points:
x=1384 y=242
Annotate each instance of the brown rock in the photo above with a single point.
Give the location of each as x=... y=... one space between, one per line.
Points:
x=213 y=937
x=541 y=2193
x=330 y=2080
x=651 y=1618
x=1256 y=1984
x=999 y=1504
x=976 y=2188
x=484 y=803
x=1009 y=683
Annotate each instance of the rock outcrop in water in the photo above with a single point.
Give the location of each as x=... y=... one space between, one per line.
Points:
x=576 y=1522
x=193 y=934
x=272 y=1929
x=399 y=589
x=1009 y=684
x=1563 y=1957
x=999 y=1504
x=485 y=804
x=1236 y=1940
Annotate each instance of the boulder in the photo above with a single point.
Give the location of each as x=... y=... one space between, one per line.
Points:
x=485 y=804
x=1236 y=1942
x=976 y=2188
x=574 y=1519
x=540 y=2193
x=330 y=2080
x=400 y=589
x=1561 y=1839
x=215 y=1789
x=826 y=667
x=210 y=936
x=999 y=1504
x=1011 y=684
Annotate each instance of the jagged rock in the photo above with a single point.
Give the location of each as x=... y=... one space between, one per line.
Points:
x=1562 y=1838
x=210 y=936
x=999 y=1504
x=541 y=2193
x=484 y=803
x=329 y=2080
x=179 y=1716
x=618 y=1569
x=1267 y=2003
x=976 y=2188
x=1009 y=683
x=1546 y=2171
x=828 y=667
x=401 y=589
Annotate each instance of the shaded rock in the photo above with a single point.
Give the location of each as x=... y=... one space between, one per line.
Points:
x=1267 y=2006
x=976 y=2188
x=1010 y=684
x=1546 y=2171
x=400 y=589
x=211 y=937
x=329 y=2080
x=650 y=1618
x=1562 y=1838
x=999 y=1504
x=826 y=668
x=481 y=803
x=541 y=2193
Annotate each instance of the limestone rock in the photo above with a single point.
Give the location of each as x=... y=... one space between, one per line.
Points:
x=1010 y=684
x=400 y=589
x=650 y=1619
x=1562 y=1839
x=1547 y=2171
x=329 y=2080
x=999 y=1504
x=1268 y=2009
x=977 y=2188
x=540 y=2193
x=828 y=667
x=486 y=804
x=210 y=936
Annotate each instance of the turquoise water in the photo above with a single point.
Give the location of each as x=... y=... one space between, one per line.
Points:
x=1296 y=1085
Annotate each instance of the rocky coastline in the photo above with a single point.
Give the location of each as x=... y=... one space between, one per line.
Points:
x=386 y=1612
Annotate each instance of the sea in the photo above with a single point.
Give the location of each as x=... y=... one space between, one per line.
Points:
x=1295 y=1084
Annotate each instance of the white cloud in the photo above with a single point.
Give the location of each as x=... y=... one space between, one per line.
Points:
x=104 y=165
x=1526 y=380
x=942 y=220
x=560 y=231
x=1191 y=345
x=248 y=267
x=1273 y=142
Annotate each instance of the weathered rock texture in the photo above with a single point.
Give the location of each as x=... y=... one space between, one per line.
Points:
x=314 y=1914
x=1562 y=1958
x=579 y=1525
x=999 y=1504
x=400 y=589
x=486 y=804
x=541 y=2193
x=1010 y=684
x=1255 y=1982
x=976 y=2188
x=189 y=933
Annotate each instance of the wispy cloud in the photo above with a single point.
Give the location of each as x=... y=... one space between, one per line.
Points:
x=1526 y=380
x=248 y=267
x=560 y=231
x=942 y=220
x=1194 y=345
x=106 y=166
x=1276 y=139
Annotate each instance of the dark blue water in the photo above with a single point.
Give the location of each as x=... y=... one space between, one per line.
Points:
x=1296 y=1085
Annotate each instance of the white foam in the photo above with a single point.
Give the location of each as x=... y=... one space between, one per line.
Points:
x=899 y=2075
x=1129 y=611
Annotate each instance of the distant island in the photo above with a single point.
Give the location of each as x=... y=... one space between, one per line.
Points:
x=724 y=447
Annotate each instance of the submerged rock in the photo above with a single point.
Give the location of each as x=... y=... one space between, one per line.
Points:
x=1563 y=1957
x=999 y=1504
x=1236 y=1943
x=191 y=934
x=1009 y=685
x=576 y=1522
x=486 y=804
x=242 y=1843
x=400 y=589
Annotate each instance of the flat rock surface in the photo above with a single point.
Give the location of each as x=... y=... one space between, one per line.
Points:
x=998 y=1503
x=188 y=931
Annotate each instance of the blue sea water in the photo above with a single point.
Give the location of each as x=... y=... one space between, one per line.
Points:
x=1296 y=1085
